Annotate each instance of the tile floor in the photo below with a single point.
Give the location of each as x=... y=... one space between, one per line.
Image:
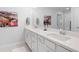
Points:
x=22 y=47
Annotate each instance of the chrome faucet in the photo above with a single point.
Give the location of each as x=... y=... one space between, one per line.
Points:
x=63 y=32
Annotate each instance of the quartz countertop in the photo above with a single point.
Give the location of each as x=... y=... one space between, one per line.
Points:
x=71 y=44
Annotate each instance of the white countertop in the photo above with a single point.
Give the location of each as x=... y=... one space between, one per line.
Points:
x=71 y=44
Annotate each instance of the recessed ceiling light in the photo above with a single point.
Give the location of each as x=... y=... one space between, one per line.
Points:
x=34 y=7
x=67 y=8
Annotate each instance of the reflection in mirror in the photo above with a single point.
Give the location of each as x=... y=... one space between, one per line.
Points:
x=64 y=19
x=60 y=20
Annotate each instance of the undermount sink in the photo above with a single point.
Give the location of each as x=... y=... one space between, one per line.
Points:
x=59 y=37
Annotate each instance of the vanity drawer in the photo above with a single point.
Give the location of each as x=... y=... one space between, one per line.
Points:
x=49 y=44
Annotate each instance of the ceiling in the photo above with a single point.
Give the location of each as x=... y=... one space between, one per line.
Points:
x=61 y=9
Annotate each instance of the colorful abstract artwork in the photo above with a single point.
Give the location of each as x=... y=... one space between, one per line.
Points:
x=8 y=19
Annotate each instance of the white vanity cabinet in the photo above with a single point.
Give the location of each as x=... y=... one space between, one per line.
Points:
x=26 y=35
x=41 y=47
x=31 y=40
x=39 y=43
x=44 y=45
x=50 y=45
x=28 y=38
x=34 y=42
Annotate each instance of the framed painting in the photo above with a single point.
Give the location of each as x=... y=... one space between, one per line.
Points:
x=47 y=20
x=8 y=19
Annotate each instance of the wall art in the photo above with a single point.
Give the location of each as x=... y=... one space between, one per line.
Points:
x=8 y=19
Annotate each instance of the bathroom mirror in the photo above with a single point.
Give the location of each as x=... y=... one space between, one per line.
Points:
x=27 y=21
x=63 y=18
x=72 y=19
x=60 y=20
x=66 y=18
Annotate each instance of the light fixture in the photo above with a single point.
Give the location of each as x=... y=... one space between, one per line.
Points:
x=67 y=8
x=34 y=7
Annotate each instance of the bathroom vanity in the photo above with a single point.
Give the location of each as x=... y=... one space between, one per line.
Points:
x=51 y=40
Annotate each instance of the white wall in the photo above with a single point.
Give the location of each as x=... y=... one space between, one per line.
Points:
x=11 y=35
x=75 y=18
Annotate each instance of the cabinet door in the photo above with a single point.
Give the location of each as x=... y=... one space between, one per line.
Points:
x=41 y=44
x=50 y=45
x=34 y=42
x=41 y=47
x=26 y=35
x=28 y=38
x=61 y=49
